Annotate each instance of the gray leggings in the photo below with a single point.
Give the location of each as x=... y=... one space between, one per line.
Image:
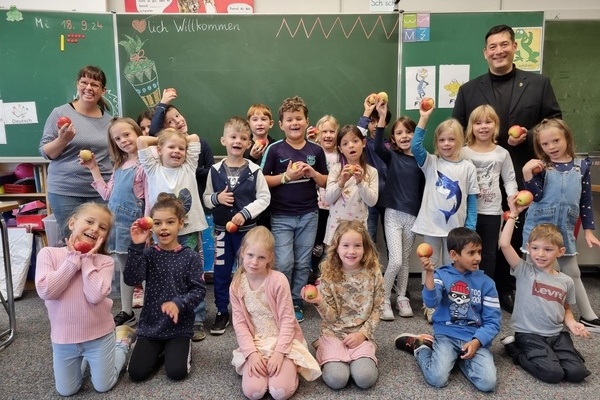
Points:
x=363 y=371
x=400 y=238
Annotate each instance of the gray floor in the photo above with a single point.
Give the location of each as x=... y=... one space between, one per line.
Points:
x=26 y=365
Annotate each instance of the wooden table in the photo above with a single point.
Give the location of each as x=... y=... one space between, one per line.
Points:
x=9 y=302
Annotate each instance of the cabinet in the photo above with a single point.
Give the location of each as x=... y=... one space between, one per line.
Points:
x=8 y=164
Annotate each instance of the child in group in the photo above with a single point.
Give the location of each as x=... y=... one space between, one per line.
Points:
x=174 y=287
x=492 y=163
x=292 y=168
x=467 y=316
x=125 y=194
x=349 y=300
x=237 y=192
x=352 y=184
x=401 y=198
x=174 y=172
x=327 y=128
x=450 y=193
x=543 y=302
x=272 y=350
x=260 y=119
x=562 y=192
x=144 y=120
x=75 y=287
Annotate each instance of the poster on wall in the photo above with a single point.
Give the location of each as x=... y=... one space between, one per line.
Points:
x=190 y=6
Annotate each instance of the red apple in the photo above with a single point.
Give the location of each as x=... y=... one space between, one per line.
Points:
x=85 y=155
x=427 y=103
x=83 y=247
x=536 y=170
x=310 y=291
x=63 y=121
x=146 y=223
x=424 y=250
x=524 y=198
x=261 y=142
x=505 y=215
x=372 y=99
x=231 y=227
x=516 y=131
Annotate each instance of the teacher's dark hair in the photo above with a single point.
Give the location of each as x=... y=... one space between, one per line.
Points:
x=95 y=73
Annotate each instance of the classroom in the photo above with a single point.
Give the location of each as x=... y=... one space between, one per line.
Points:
x=332 y=53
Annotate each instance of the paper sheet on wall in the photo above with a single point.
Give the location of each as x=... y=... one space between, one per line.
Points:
x=451 y=78
x=420 y=83
x=22 y=112
x=2 y=128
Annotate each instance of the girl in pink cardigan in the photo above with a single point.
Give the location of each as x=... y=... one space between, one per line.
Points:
x=272 y=350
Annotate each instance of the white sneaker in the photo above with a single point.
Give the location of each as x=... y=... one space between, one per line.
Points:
x=404 y=309
x=428 y=313
x=387 y=314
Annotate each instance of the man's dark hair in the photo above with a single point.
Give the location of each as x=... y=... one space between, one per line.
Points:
x=459 y=238
x=499 y=29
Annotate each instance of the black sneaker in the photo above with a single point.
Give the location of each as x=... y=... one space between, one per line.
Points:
x=592 y=326
x=409 y=342
x=221 y=323
x=511 y=348
x=123 y=318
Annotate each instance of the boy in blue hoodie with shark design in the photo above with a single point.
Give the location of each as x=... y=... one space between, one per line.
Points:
x=466 y=320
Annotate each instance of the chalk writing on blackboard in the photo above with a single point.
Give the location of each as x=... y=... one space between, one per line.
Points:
x=347 y=30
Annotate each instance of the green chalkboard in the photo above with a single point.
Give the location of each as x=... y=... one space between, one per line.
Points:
x=34 y=68
x=571 y=60
x=455 y=39
x=220 y=65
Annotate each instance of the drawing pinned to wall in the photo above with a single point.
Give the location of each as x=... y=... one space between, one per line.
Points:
x=2 y=128
x=420 y=83
x=451 y=78
x=190 y=6
x=140 y=71
x=529 y=45
x=416 y=27
x=14 y=15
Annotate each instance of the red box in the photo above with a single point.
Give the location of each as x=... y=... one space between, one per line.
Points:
x=33 y=221
x=11 y=188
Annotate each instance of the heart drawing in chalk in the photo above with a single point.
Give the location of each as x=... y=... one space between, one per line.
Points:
x=139 y=25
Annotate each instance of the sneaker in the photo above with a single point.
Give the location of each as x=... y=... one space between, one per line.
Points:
x=511 y=348
x=409 y=342
x=138 y=297
x=404 y=309
x=318 y=250
x=315 y=344
x=592 y=326
x=123 y=318
x=198 y=332
x=508 y=340
x=125 y=335
x=387 y=314
x=428 y=313
x=299 y=313
x=221 y=323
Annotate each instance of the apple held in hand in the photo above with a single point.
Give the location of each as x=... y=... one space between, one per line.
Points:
x=424 y=250
x=351 y=169
x=536 y=170
x=261 y=142
x=516 y=131
x=85 y=155
x=372 y=99
x=427 y=103
x=383 y=96
x=295 y=166
x=231 y=227
x=524 y=198
x=63 y=121
x=310 y=291
x=82 y=247
x=145 y=223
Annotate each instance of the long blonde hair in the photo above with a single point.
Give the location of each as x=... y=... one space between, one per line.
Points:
x=561 y=126
x=256 y=235
x=478 y=114
x=119 y=156
x=455 y=127
x=331 y=267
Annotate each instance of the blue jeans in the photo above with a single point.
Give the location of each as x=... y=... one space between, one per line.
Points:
x=63 y=207
x=104 y=355
x=437 y=364
x=294 y=240
x=228 y=246
x=194 y=241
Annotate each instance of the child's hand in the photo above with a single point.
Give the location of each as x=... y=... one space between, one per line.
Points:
x=89 y=164
x=138 y=235
x=427 y=264
x=257 y=150
x=426 y=114
x=353 y=340
x=382 y=108
x=274 y=363
x=531 y=168
x=238 y=219
x=591 y=239
x=256 y=365
x=359 y=173
x=171 y=309
x=295 y=170
x=169 y=94
x=315 y=300
x=469 y=349
x=578 y=329
x=515 y=209
x=368 y=106
x=225 y=197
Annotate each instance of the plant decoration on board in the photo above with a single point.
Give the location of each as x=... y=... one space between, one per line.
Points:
x=140 y=71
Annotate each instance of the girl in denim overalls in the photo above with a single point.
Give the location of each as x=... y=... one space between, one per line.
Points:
x=562 y=192
x=125 y=194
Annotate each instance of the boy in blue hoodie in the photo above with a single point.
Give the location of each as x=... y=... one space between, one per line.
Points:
x=466 y=319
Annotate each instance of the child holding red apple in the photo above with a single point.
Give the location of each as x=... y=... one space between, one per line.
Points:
x=271 y=347
x=349 y=301
x=236 y=192
x=260 y=119
x=562 y=193
x=125 y=192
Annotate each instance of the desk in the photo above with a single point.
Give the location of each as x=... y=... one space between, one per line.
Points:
x=9 y=302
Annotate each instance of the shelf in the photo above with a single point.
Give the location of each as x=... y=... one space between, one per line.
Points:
x=33 y=195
